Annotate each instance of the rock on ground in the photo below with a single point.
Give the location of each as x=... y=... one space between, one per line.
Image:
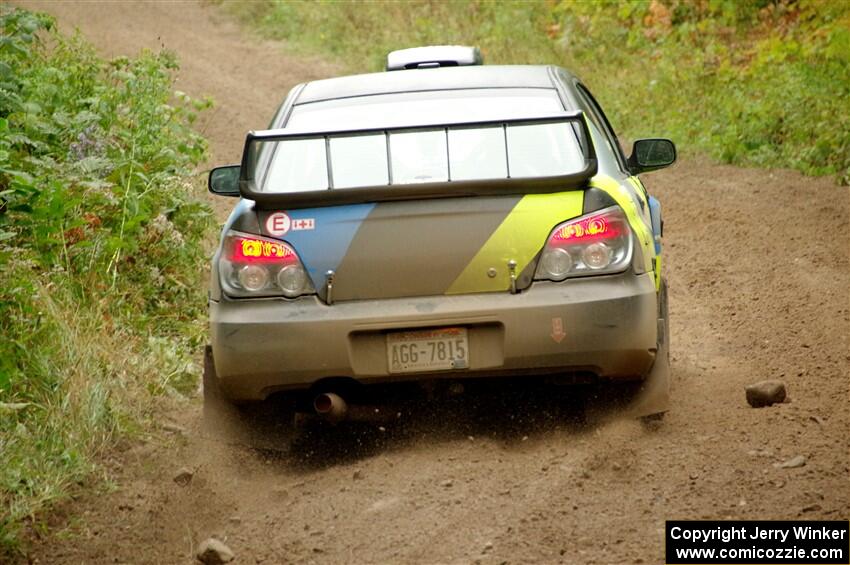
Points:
x=765 y=393
x=214 y=552
x=183 y=476
x=173 y=428
x=792 y=463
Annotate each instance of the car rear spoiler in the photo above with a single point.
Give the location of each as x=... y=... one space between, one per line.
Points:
x=253 y=159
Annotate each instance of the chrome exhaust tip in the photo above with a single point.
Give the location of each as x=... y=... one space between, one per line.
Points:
x=330 y=406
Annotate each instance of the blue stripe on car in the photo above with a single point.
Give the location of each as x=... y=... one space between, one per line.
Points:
x=322 y=248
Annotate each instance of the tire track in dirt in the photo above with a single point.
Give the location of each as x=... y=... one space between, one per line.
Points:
x=757 y=262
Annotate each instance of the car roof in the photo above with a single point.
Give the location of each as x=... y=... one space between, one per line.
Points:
x=419 y=80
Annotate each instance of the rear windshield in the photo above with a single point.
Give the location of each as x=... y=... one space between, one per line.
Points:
x=420 y=108
x=438 y=154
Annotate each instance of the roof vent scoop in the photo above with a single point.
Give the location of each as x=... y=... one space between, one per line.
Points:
x=434 y=56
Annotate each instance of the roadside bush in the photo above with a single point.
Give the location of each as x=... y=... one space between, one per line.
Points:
x=101 y=242
x=764 y=82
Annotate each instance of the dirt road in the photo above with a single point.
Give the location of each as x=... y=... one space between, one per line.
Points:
x=758 y=269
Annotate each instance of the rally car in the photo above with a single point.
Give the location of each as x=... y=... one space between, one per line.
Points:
x=441 y=221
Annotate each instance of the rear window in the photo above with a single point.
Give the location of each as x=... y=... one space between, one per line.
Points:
x=410 y=151
x=421 y=108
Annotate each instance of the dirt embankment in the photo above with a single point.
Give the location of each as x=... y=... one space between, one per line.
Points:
x=757 y=262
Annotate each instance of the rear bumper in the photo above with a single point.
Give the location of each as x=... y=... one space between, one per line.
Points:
x=609 y=328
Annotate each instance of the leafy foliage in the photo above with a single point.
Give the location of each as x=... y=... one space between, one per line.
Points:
x=100 y=242
x=763 y=82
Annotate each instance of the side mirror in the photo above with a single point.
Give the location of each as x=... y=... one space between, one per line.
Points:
x=651 y=155
x=224 y=181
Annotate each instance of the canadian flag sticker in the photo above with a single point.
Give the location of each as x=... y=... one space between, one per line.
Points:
x=304 y=224
x=278 y=224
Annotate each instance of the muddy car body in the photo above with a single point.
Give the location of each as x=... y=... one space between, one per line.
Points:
x=447 y=220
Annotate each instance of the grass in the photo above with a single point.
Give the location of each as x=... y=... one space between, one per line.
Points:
x=762 y=82
x=101 y=234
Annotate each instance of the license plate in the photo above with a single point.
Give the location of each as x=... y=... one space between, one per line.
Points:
x=429 y=350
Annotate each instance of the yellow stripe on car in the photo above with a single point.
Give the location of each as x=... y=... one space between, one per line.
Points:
x=519 y=237
x=639 y=190
x=523 y=232
x=644 y=232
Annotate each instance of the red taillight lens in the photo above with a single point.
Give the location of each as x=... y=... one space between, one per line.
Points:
x=256 y=266
x=598 y=243
x=256 y=250
x=594 y=228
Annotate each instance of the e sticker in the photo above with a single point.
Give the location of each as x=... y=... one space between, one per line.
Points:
x=278 y=224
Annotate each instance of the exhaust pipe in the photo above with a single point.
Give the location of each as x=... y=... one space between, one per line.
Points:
x=333 y=408
x=330 y=406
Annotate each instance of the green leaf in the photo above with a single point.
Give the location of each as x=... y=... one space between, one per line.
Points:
x=93 y=164
x=85 y=117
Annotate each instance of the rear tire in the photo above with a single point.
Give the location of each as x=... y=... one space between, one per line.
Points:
x=261 y=425
x=654 y=398
x=218 y=410
x=663 y=314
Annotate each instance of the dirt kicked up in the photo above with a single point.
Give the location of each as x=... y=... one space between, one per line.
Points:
x=757 y=262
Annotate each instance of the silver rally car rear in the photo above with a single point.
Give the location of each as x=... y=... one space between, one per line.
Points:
x=606 y=326
x=431 y=247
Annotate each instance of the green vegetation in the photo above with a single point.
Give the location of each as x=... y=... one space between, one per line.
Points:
x=757 y=82
x=101 y=293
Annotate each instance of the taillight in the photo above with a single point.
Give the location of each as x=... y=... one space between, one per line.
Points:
x=251 y=265
x=600 y=242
